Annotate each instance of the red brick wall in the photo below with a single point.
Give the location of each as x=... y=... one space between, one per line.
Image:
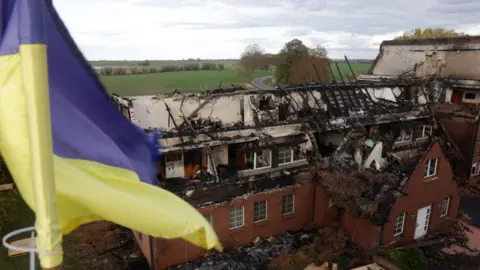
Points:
x=422 y=193
x=361 y=231
x=172 y=252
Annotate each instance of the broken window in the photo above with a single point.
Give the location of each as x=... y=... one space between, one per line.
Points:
x=445 y=204
x=236 y=217
x=263 y=158
x=208 y=217
x=259 y=211
x=285 y=154
x=405 y=136
x=287 y=204
x=470 y=96
x=425 y=131
x=399 y=223
x=430 y=168
x=475 y=169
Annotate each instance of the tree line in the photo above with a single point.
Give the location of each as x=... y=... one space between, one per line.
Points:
x=145 y=69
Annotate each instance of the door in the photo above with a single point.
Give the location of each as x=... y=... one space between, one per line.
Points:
x=457 y=97
x=423 y=219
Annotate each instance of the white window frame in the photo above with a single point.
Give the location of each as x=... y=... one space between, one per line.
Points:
x=401 y=138
x=209 y=217
x=255 y=160
x=266 y=211
x=469 y=99
x=445 y=207
x=293 y=204
x=428 y=164
x=291 y=154
x=475 y=169
x=399 y=230
x=235 y=210
x=424 y=128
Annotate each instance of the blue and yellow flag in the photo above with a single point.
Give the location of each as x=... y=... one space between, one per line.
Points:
x=102 y=163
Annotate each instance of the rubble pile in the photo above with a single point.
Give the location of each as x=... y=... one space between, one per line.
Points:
x=255 y=256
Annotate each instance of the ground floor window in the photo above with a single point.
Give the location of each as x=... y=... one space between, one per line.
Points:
x=287 y=204
x=236 y=217
x=259 y=211
x=445 y=206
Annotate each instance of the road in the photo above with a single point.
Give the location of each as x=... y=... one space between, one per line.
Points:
x=258 y=82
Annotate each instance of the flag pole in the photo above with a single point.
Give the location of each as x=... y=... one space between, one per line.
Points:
x=35 y=80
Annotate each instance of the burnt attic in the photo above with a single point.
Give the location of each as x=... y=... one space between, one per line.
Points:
x=316 y=107
x=365 y=176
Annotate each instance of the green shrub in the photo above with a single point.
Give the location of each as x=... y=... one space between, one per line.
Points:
x=411 y=259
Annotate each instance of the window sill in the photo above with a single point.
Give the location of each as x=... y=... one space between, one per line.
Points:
x=430 y=179
x=288 y=216
x=236 y=230
x=260 y=223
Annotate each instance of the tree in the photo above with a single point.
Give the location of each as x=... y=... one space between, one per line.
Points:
x=253 y=50
x=252 y=58
x=292 y=51
x=426 y=33
x=318 y=52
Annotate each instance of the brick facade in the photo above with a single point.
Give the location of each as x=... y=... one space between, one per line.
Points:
x=311 y=203
x=177 y=251
x=420 y=192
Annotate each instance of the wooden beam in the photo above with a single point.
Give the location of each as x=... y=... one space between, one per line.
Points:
x=6 y=187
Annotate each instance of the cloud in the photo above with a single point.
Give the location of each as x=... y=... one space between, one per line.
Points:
x=176 y=29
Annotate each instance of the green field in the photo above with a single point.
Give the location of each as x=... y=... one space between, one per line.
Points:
x=167 y=82
x=361 y=68
x=229 y=63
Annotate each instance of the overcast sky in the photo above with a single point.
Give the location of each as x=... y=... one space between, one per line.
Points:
x=181 y=29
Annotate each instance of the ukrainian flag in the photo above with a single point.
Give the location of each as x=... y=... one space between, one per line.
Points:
x=102 y=163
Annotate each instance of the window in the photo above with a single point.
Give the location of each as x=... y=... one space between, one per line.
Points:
x=263 y=158
x=430 y=168
x=426 y=131
x=259 y=211
x=236 y=217
x=208 y=217
x=399 y=222
x=405 y=136
x=285 y=155
x=287 y=204
x=475 y=169
x=445 y=204
x=470 y=96
x=258 y=159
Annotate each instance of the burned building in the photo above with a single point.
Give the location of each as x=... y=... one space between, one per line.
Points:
x=444 y=71
x=259 y=163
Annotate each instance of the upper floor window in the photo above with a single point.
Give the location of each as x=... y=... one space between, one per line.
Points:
x=287 y=154
x=430 y=168
x=475 y=169
x=405 y=136
x=236 y=217
x=258 y=159
x=287 y=204
x=425 y=131
x=470 y=96
x=399 y=224
x=445 y=205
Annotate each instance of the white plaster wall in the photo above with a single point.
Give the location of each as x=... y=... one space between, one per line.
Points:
x=220 y=154
x=384 y=92
x=150 y=112
x=399 y=59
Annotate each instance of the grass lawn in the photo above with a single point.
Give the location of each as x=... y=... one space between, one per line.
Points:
x=361 y=68
x=188 y=81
